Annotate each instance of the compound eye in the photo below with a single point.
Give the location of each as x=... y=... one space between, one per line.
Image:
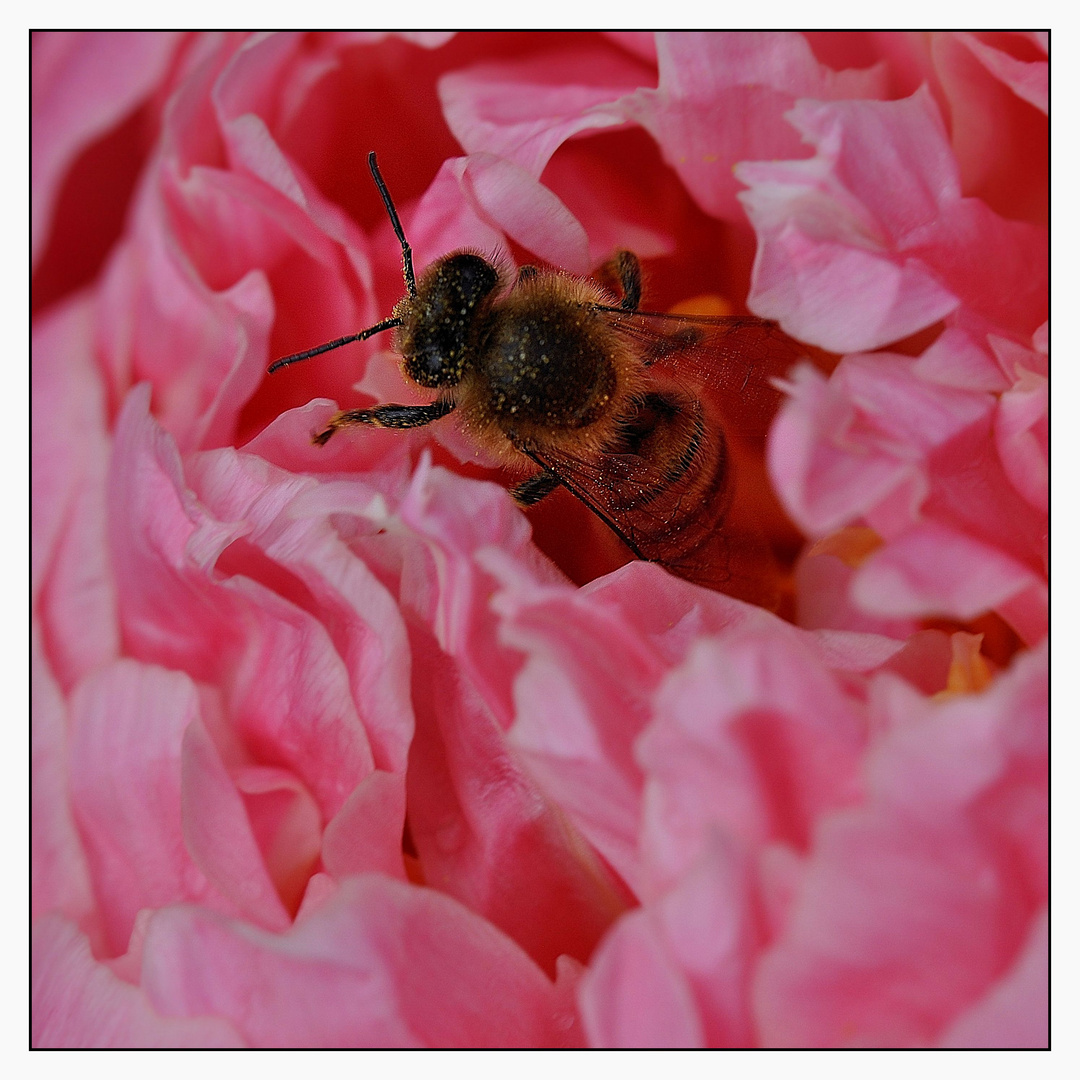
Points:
x=435 y=363
x=470 y=277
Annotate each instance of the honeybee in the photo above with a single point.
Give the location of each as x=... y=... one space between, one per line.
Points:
x=560 y=378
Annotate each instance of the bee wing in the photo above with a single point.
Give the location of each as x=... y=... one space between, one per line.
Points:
x=733 y=357
x=668 y=502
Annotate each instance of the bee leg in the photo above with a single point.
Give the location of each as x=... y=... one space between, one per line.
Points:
x=530 y=492
x=526 y=272
x=626 y=269
x=386 y=416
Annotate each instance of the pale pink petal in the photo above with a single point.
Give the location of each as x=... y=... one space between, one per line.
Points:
x=1016 y=1012
x=82 y=85
x=957 y=248
x=60 y=877
x=447 y=219
x=843 y=448
x=379 y=964
x=78 y=1003
x=285 y=687
x=752 y=736
x=580 y=701
x=286 y=443
x=1022 y=437
x=830 y=291
x=893 y=928
x=1017 y=360
x=71 y=578
x=155 y=310
x=523 y=111
x=913 y=904
x=824 y=601
x=128 y=795
x=957 y=358
x=458 y=523
x=484 y=832
x=933 y=570
x=293 y=532
x=527 y=211
x=595 y=659
x=877 y=215
x=634 y=996
x=492 y=842
x=219 y=832
x=365 y=834
x=721 y=99
x=711 y=928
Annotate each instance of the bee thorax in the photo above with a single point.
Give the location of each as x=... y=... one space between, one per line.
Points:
x=551 y=367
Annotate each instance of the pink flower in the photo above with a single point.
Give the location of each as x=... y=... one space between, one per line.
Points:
x=332 y=749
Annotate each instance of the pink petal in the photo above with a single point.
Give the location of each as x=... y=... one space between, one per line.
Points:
x=1020 y=431
x=448 y=219
x=284 y=686
x=313 y=565
x=932 y=570
x=380 y=964
x=77 y=1002
x=70 y=572
x=365 y=834
x=1016 y=1012
x=722 y=99
x=483 y=831
x=634 y=996
x=877 y=215
x=527 y=211
x=218 y=832
x=957 y=358
x=128 y=725
x=711 y=929
x=914 y=904
x=751 y=736
x=459 y=524
x=581 y=699
x=841 y=450
x=1028 y=80
x=824 y=602
x=83 y=84
x=523 y=111
x=486 y=835
x=157 y=317
x=60 y=877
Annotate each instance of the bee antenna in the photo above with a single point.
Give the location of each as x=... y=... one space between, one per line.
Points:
x=399 y=232
x=378 y=328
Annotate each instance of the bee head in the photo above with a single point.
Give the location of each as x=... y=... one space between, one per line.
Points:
x=442 y=323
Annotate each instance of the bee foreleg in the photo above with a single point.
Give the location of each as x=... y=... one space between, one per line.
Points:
x=386 y=416
x=530 y=492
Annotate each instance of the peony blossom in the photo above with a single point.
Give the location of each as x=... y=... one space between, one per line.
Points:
x=334 y=746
